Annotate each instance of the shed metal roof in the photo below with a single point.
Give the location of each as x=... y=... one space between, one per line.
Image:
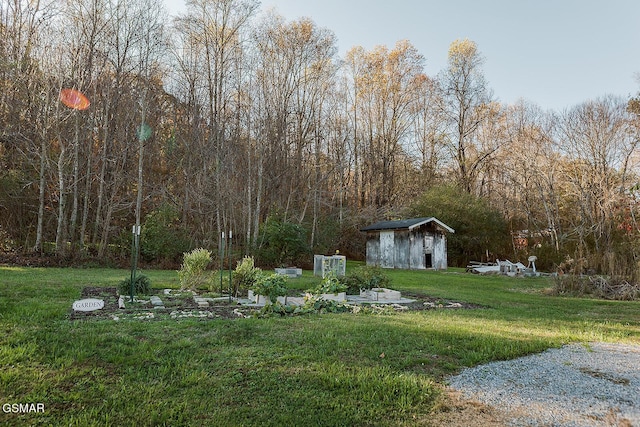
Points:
x=409 y=224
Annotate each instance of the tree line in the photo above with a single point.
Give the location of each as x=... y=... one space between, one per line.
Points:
x=227 y=118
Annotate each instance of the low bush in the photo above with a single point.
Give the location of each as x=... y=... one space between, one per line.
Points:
x=320 y=305
x=271 y=286
x=329 y=285
x=141 y=285
x=192 y=272
x=245 y=275
x=365 y=277
x=313 y=305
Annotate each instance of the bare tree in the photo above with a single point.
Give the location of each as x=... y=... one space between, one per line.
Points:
x=150 y=50
x=525 y=175
x=466 y=96
x=428 y=150
x=209 y=56
x=389 y=86
x=596 y=145
x=25 y=96
x=293 y=79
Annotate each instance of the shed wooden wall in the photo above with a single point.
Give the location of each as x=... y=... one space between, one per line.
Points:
x=439 y=253
x=405 y=249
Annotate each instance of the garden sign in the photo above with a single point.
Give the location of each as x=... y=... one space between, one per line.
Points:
x=89 y=304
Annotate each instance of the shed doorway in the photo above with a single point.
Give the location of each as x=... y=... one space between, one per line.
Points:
x=427 y=247
x=428 y=261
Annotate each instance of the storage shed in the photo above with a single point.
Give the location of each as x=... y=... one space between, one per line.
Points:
x=415 y=244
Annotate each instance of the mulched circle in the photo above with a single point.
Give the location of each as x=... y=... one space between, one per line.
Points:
x=183 y=304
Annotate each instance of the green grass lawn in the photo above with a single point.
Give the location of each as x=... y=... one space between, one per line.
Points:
x=323 y=370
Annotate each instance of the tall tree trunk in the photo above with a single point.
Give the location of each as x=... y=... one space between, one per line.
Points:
x=74 y=183
x=104 y=239
x=86 y=200
x=41 y=192
x=60 y=230
x=141 y=140
x=259 y=184
x=249 y=200
x=103 y=173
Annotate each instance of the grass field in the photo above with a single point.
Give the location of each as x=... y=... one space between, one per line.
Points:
x=322 y=370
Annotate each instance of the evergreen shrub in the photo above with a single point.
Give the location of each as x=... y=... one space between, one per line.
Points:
x=192 y=273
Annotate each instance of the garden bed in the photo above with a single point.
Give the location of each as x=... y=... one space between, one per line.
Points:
x=176 y=306
x=183 y=305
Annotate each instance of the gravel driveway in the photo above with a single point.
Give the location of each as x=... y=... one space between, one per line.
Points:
x=578 y=385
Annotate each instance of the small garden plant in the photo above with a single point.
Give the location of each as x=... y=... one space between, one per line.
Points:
x=192 y=272
x=245 y=275
x=329 y=285
x=313 y=305
x=364 y=278
x=271 y=286
x=142 y=285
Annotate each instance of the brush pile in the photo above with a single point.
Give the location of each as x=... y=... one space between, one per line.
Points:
x=610 y=288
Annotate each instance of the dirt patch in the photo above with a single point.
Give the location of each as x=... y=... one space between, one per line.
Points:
x=425 y=302
x=456 y=411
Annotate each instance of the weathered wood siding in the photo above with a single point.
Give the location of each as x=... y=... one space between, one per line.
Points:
x=439 y=251
x=373 y=248
x=387 y=249
x=416 y=254
x=402 y=249
x=408 y=249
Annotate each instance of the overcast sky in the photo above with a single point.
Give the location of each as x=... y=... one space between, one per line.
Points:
x=554 y=53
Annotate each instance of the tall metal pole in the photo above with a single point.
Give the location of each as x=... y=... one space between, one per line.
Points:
x=135 y=244
x=230 y=284
x=221 y=260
